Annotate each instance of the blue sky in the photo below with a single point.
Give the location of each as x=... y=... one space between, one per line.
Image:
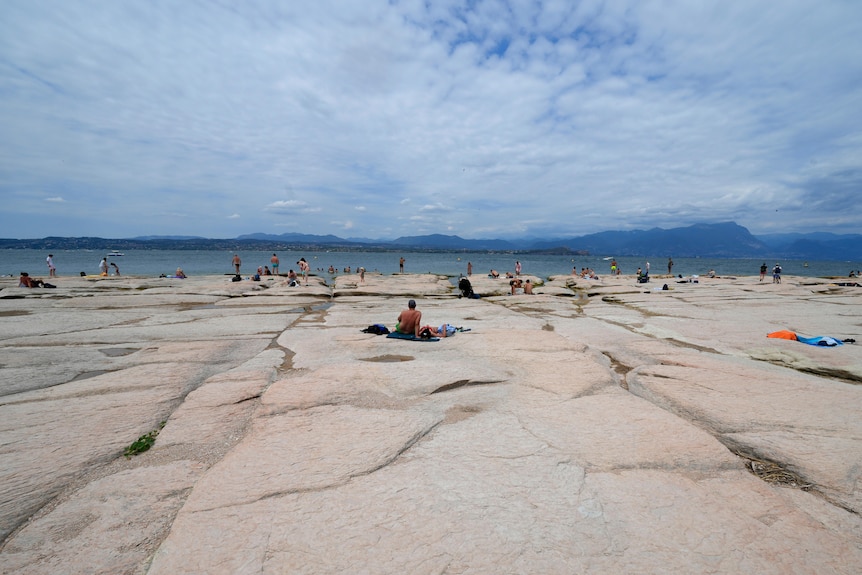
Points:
x=380 y=119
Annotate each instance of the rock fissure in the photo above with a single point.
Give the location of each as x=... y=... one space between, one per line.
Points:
x=464 y=383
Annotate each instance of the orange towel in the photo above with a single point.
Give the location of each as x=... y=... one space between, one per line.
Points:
x=783 y=334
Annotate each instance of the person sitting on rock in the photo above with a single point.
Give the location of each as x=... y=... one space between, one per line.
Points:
x=516 y=284
x=528 y=287
x=26 y=281
x=409 y=319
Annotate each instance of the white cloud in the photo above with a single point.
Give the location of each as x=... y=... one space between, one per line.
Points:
x=233 y=217
x=493 y=118
x=291 y=207
x=56 y=199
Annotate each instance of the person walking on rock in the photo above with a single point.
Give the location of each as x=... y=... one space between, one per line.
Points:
x=52 y=271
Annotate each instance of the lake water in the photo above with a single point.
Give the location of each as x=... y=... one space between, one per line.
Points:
x=207 y=262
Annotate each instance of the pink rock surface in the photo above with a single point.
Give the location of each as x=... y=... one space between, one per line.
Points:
x=564 y=433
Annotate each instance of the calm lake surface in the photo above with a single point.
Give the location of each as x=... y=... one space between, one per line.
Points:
x=207 y=262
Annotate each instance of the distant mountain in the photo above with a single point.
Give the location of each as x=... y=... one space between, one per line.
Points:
x=704 y=240
x=169 y=238
x=784 y=240
x=295 y=238
x=847 y=249
x=725 y=240
x=816 y=246
x=438 y=241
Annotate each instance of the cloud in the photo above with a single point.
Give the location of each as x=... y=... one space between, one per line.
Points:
x=233 y=217
x=291 y=207
x=56 y=199
x=492 y=118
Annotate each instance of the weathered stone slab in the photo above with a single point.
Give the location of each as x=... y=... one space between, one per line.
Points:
x=581 y=429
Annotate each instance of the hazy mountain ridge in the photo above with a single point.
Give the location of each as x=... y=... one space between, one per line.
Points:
x=726 y=240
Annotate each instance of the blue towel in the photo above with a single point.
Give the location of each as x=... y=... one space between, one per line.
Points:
x=820 y=340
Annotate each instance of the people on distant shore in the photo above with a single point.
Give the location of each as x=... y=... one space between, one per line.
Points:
x=517 y=267
x=409 y=319
x=52 y=271
x=469 y=269
x=613 y=266
x=291 y=278
x=274 y=261
x=401 y=265
x=528 y=287
x=776 y=274
x=762 y=271
x=116 y=268
x=103 y=267
x=515 y=284
x=331 y=269
x=237 y=262
x=180 y=274
x=493 y=274
x=361 y=275
x=669 y=266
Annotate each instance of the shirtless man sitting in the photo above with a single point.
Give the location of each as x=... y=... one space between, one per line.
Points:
x=409 y=319
x=26 y=281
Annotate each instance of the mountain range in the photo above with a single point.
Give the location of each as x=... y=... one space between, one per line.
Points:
x=725 y=240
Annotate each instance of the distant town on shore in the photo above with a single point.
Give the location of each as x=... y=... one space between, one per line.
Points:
x=725 y=240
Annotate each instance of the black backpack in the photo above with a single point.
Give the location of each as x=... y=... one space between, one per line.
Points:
x=376 y=329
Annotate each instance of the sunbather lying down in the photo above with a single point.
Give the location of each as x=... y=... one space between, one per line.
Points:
x=444 y=330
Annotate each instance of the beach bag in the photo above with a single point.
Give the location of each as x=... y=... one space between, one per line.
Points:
x=376 y=329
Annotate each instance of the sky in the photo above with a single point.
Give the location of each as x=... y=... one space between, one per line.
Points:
x=380 y=119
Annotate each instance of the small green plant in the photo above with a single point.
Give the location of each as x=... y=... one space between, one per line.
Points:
x=143 y=443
